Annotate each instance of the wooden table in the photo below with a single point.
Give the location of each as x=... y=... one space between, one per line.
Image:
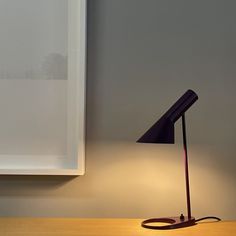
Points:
x=104 y=227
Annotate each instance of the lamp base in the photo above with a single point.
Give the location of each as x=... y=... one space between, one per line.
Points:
x=173 y=222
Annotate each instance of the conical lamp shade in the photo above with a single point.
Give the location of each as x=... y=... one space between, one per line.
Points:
x=163 y=130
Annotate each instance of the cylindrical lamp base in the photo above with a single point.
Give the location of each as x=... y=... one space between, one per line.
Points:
x=172 y=222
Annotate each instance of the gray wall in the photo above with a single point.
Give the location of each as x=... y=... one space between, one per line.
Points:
x=142 y=55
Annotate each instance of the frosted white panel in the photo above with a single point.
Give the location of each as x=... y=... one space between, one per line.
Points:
x=42 y=84
x=33 y=117
x=33 y=39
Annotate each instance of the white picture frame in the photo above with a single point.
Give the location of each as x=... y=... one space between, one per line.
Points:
x=25 y=159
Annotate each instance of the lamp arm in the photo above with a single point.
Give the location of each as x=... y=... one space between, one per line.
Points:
x=186 y=166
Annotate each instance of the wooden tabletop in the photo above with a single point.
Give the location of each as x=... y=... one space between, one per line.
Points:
x=104 y=227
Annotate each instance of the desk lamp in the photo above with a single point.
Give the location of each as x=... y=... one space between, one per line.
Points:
x=163 y=132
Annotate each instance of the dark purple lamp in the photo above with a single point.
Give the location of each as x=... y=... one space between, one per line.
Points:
x=163 y=132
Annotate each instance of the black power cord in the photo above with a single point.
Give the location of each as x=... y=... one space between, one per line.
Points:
x=208 y=217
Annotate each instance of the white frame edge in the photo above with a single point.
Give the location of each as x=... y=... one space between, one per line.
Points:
x=81 y=89
x=77 y=66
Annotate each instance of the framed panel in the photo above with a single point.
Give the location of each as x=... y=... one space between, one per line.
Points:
x=42 y=87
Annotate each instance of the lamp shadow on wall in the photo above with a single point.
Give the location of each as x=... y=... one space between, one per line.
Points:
x=143 y=179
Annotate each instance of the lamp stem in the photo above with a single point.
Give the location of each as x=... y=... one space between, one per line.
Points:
x=186 y=166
